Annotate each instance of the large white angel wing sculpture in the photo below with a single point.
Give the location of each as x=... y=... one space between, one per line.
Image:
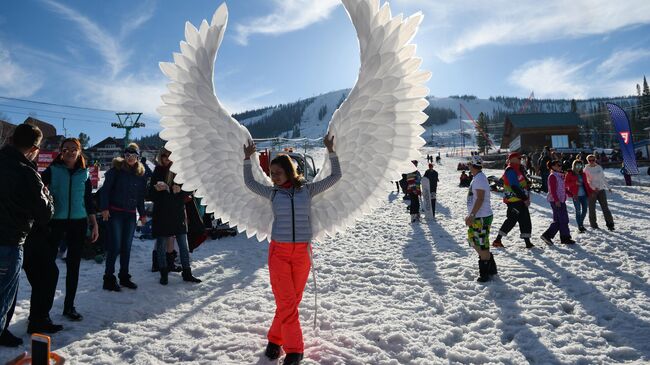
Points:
x=376 y=129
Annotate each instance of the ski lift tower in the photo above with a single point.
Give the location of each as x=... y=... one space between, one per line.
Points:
x=128 y=121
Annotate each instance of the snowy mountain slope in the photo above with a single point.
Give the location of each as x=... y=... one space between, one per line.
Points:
x=390 y=292
x=311 y=126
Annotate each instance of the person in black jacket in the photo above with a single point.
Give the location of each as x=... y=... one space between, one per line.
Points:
x=432 y=175
x=24 y=201
x=544 y=159
x=168 y=219
x=121 y=196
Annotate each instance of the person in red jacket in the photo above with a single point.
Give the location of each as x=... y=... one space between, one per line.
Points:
x=578 y=189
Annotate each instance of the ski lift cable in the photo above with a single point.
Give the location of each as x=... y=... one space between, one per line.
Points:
x=63 y=114
x=65 y=106
x=58 y=117
x=485 y=135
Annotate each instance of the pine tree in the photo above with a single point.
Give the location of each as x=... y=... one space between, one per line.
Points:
x=322 y=112
x=481 y=132
x=84 y=139
x=574 y=106
x=644 y=102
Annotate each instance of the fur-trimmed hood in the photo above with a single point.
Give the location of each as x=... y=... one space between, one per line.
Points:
x=119 y=163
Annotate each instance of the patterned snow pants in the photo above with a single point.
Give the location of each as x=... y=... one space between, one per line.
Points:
x=478 y=235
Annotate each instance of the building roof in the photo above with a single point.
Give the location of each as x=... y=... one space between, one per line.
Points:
x=544 y=120
x=118 y=142
x=48 y=129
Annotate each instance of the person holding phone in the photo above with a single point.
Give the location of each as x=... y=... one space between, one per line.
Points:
x=121 y=196
x=24 y=202
x=290 y=249
x=169 y=219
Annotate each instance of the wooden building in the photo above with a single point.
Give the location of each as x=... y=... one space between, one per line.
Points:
x=531 y=132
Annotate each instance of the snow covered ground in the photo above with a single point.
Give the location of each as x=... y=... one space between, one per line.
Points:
x=390 y=292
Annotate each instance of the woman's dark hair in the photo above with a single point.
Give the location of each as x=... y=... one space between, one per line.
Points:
x=162 y=152
x=550 y=164
x=26 y=136
x=284 y=161
x=81 y=160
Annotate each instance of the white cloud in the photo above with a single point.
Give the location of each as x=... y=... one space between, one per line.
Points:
x=471 y=24
x=16 y=81
x=137 y=18
x=101 y=40
x=619 y=61
x=132 y=93
x=551 y=77
x=249 y=102
x=289 y=15
x=559 y=78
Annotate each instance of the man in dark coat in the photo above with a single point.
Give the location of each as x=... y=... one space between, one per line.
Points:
x=24 y=202
x=543 y=170
x=432 y=175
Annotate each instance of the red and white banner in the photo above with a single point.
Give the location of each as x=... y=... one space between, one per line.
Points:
x=94 y=175
x=44 y=160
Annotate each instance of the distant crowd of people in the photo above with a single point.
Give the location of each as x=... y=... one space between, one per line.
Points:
x=578 y=178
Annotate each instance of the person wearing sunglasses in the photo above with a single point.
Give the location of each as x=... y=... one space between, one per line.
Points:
x=579 y=190
x=597 y=180
x=121 y=196
x=557 y=198
x=25 y=203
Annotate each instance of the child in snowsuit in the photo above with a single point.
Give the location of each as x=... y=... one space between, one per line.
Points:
x=557 y=198
x=290 y=248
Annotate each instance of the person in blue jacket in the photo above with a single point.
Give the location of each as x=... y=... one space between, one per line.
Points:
x=120 y=197
x=68 y=180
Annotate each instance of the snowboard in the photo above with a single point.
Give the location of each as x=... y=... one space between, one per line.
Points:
x=426 y=198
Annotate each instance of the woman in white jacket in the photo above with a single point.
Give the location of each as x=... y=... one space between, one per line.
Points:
x=597 y=180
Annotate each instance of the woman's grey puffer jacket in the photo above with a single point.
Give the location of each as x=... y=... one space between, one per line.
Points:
x=292 y=207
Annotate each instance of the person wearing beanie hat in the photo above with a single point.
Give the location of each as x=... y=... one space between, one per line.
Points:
x=516 y=196
x=432 y=176
x=479 y=219
x=514 y=155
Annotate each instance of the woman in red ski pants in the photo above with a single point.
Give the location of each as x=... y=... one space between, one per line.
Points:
x=290 y=249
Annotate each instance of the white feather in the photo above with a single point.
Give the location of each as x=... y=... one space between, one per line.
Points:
x=376 y=128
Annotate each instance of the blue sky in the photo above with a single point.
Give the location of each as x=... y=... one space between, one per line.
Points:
x=105 y=54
